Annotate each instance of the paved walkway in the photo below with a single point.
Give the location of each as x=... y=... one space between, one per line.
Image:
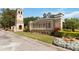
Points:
x=12 y=42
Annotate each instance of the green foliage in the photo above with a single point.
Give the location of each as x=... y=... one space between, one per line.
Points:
x=71 y=34
x=8 y=18
x=49 y=14
x=68 y=30
x=26 y=20
x=26 y=29
x=58 y=34
x=44 y=15
x=66 y=34
x=72 y=23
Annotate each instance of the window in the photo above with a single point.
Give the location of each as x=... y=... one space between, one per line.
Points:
x=21 y=12
x=49 y=25
x=44 y=25
x=33 y=25
x=18 y=12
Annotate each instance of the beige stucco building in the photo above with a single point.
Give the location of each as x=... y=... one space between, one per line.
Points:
x=19 y=25
x=48 y=24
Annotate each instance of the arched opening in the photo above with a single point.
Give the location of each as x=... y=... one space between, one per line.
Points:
x=18 y=12
x=21 y=12
x=20 y=27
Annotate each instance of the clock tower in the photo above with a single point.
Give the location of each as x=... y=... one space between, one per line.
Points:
x=19 y=25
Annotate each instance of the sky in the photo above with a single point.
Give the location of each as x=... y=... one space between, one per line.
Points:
x=68 y=12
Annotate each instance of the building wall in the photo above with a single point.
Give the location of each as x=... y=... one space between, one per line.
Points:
x=46 y=25
x=41 y=26
x=19 y=25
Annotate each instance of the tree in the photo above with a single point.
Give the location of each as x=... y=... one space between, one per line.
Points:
x=44 y=15
x=8 y=18
x=49 y=14
x=26 y=20
x=72 y=24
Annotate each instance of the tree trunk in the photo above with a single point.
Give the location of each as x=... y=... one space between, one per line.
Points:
x=73 y=29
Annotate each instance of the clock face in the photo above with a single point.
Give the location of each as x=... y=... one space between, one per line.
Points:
x=19 y=17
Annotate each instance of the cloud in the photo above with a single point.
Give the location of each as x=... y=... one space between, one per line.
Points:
x=60 y=10
x=13 y=8
x=74 y=14
x=67 y=14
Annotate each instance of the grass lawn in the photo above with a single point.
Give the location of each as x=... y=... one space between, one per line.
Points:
x=37 y=36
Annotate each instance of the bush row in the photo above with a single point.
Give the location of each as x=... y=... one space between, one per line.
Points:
x=74 y=45
x=66 y=34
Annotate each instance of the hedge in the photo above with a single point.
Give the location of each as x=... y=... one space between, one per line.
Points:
x=66 y=34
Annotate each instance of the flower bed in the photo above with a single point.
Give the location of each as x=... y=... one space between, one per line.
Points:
x=73 y=45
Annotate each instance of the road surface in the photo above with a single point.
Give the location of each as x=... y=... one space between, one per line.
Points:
x=9 y=41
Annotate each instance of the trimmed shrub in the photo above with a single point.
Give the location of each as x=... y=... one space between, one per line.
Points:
x=58 y=34
x=26 y=29
x=67 y=30
x=66 y=34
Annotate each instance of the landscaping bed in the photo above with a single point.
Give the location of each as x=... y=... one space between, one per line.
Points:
x=69 y=44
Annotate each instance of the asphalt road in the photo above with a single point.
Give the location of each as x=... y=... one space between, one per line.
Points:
x=9 y=41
